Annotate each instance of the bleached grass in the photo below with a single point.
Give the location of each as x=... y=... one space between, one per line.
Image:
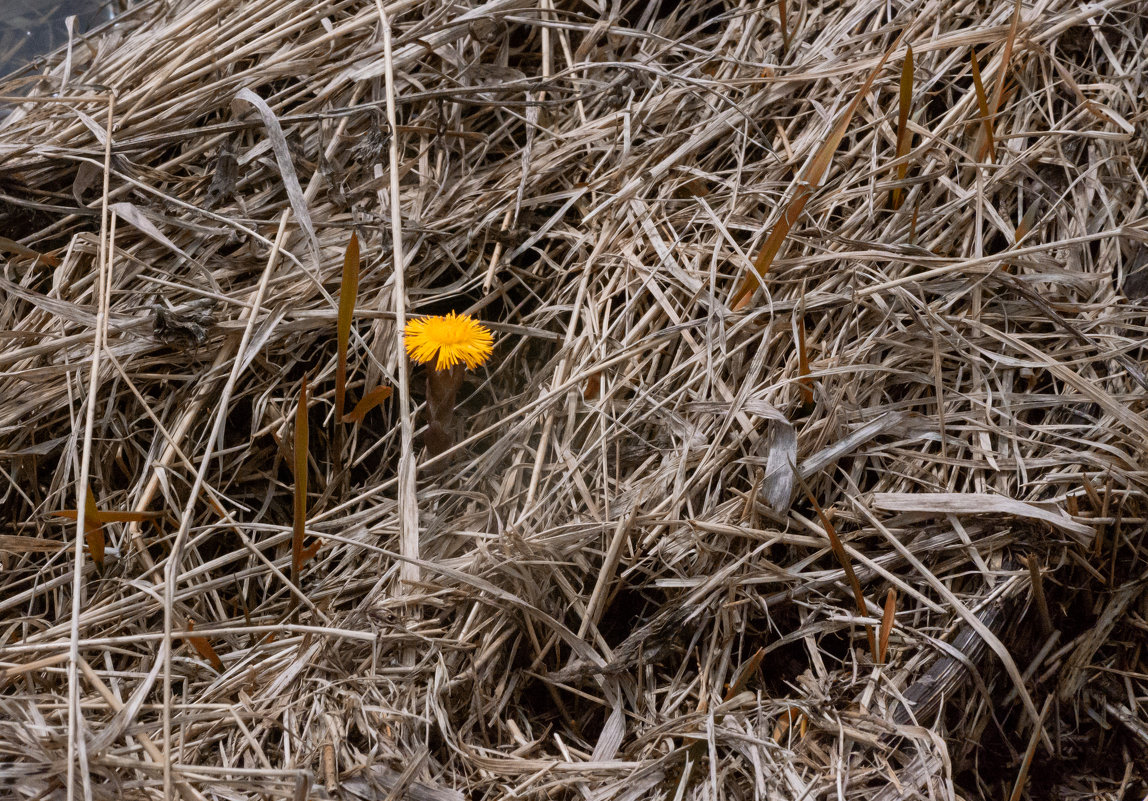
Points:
x=616 y=586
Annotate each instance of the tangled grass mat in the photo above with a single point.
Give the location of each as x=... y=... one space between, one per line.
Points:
x=806 y=464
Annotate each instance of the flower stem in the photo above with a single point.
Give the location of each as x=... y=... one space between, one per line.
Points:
x=442 y=387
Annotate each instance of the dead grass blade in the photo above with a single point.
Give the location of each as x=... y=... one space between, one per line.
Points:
x=15 y=544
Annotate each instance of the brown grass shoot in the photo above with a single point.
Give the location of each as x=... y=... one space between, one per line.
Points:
x=785 y=722
x=368 y=402
x=348 y=292
x=593 y=386
x=299 y=523
x=809 y=182
x=1026 y=223
x=748 y=669
x=984 y=146
x=846 y=565
x=1038 y=596
x=904 y=135
x=998 y=97
x=1029 y=752
x=783 y=23
x=94 y=519
x=887 y=618
x=203 y=647
x=804 y=382
x=12 y=246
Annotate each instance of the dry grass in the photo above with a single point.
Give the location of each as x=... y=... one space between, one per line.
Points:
x=620 y=584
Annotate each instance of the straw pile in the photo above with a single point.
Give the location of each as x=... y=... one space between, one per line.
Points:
x=864 y=521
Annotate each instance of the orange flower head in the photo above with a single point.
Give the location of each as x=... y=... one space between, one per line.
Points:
x=448 y=340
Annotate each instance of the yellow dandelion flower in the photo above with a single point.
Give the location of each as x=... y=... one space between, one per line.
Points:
x=453 y=337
